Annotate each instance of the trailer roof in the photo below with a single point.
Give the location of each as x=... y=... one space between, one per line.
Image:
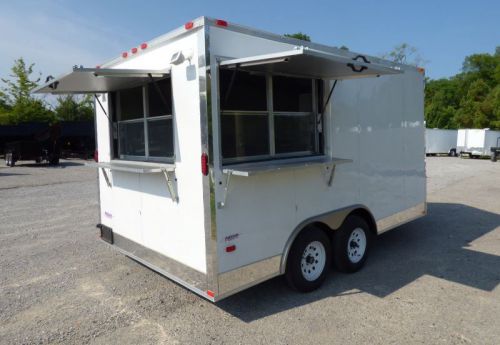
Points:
x=199 y=22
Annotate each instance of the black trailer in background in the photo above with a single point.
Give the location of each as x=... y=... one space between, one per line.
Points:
x=44 y=142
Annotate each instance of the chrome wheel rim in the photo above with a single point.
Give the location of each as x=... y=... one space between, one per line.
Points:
x=313 y=261
x=356 y=245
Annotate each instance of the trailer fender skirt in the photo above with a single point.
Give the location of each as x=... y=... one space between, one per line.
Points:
x=106 y=233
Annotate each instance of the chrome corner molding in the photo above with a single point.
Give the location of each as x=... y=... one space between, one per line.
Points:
x=333 y=219
x=402 y=217
x=170 y=268
x=241 y=278
x=207 y=146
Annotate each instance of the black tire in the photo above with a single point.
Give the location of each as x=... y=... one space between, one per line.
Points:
x=296 y=263
x=9 y=159
x=343 y=244
x=54 y=160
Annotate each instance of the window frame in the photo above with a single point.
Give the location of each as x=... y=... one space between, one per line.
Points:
x=144 y=119
x=271 y=114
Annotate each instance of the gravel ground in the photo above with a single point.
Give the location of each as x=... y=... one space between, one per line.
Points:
x=434 y=280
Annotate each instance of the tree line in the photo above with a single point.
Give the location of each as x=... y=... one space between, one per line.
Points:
x=469 y=99
x=18 y=105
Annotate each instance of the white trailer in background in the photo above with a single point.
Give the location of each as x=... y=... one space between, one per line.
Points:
x=228 y=155
x=441 y=141
x=478 y=142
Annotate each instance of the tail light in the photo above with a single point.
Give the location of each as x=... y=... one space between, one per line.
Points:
x=96 y=156
x=204 y=164
x=220 y=22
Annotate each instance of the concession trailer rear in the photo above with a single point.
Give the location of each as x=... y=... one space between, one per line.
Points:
x=228 y=156
x=439 y=141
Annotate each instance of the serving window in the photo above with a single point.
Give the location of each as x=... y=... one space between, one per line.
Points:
x=266 y=116
x=144 y=122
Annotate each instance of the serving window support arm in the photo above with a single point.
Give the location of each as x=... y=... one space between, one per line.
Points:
x=169 y=177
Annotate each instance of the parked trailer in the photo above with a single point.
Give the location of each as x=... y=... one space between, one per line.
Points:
x=478 y=142
x=441 y=141
x=228 y=155
x=43 y=145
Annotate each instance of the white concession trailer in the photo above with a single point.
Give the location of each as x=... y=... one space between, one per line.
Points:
x=439 y=141
x=228 y=156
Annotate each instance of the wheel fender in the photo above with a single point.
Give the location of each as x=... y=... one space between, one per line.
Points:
x=332 y=219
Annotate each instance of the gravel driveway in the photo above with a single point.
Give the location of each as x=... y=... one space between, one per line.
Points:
x=434 y=280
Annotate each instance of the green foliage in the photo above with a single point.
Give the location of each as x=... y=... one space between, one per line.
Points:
x=16 y=102
x=300 y=36
x=470 y=99
x=71 y=108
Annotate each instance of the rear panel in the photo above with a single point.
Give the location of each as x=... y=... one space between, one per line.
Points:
x=139 y=207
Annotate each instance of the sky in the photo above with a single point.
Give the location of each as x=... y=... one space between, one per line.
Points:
x=57 y=34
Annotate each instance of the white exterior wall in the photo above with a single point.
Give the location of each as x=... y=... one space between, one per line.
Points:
x=139 y=206
x=376 y=122
x=440 y=140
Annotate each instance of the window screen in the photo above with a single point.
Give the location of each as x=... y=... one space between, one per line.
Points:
x=242 y=91
x=160 y=98
x=294 y=133
x=131 y=104
x=145 y=130
x=244 y=135
x=292 y=94
x=131 y=136
x=250 y=103
x=160 y=139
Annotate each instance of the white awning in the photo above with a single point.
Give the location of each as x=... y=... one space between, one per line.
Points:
x=311 y=63
x=99 y=80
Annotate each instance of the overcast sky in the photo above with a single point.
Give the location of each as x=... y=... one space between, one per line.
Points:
x=57 y=34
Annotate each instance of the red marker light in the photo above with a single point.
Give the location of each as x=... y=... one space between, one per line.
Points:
x=230 y=249
x=134 y=50
x=96 y=156
x=220 y=22
x=211 y=293
x=204 y=164
x=124 y=54
x=188 y=25
x=144 y=46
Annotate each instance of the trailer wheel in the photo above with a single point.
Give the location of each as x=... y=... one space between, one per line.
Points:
x=309 y=260
x=351 y=244
x=54 y=160
x=9 y=159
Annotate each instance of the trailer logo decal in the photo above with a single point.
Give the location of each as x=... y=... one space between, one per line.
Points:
x=231 y=237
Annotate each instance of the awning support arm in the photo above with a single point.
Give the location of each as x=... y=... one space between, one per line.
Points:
x=102 y=107
x=320 y=114
x=106 y=177
x=230 y=87
x=157 y=88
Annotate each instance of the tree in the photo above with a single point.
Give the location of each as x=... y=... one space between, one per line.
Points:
x=71 y=108
x=405 y=54
x=470 y=99
x=300 y=36
x=18 y=103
